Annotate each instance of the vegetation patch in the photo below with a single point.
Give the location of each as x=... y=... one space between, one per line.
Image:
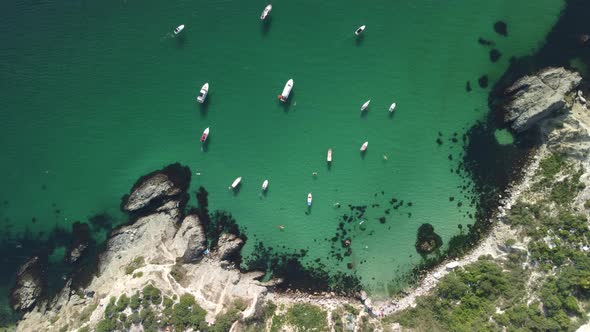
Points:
x=307 y=317
x=137 y=263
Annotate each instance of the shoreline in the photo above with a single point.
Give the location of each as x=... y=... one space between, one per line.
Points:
x=488 y=245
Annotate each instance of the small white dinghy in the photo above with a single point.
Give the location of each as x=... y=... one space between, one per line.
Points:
x=365 y=105
x=266 y=11
x=329 y=155
x=360 y=30
x=179 y=29
x=264 y=184
x=203 y=93
x=235 y=183
x=309 y=199
x=364 y=146
x=286 y=91
x=391 y=108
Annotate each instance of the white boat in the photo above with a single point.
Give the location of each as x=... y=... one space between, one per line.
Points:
x=203 y=93
x=309 y=199
x=329 y=155
x=360 y=30
x=266 y=11
x=179 y=29
x=286 y=91
x=365 y=105
x=391 y=108
x=205 y=135
x=364 y=146
x=264 y=184
x=235 y=183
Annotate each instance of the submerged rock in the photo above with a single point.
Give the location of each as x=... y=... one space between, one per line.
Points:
x=501 y=28
x=535 y=97
x=495 y=55
x=80 y=241
x=28 y=285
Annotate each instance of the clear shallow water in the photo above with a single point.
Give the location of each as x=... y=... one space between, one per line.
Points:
x=98 y=93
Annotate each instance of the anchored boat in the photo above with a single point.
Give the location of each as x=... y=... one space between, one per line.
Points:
x=391 y=108
x=286 y=91
x=266 y=11
x=365 y=105
x=203 y=93
x=364 y=146
x=264 y=184
x=309 y=199
x=205 y=135
x=360 y=30
x=329 y=155
x=235 y=183
x=179 y=29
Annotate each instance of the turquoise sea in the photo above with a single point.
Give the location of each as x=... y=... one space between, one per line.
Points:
x=95 y=94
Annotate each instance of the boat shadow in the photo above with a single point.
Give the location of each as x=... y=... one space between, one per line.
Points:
x=391 y=114
x=205 y=145
x=237 y=189
x=265 y=27
x=358 y=41
x=287 y=105
x=204 y=107
x=363 y=154
x=329 y=165
x=180 y=40
x=364 y=113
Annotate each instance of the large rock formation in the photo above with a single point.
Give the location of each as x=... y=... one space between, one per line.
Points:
x=535 y=97
x=189 y=241
x=158 y=187
x=228 y=245
x=28 y=285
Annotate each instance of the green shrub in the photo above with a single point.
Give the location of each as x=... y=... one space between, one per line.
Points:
x=152 y=294
x=178 y=273
x=148 y=320
x=87 y=312
x=84 y=329
x=122 y=303
x=510 y=242
x=307 y=317
x=111 y=308
x=138 y=262
x=187 y=313
x=135 y=301
x=351 y=309
x=138 y=274
x=550 y=166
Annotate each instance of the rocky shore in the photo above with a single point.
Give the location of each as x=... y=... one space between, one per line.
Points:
x=167 y=247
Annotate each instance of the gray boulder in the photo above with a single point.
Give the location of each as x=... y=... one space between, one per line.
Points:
x=28 y=285
x=227 y=245
x=532 y=98
x=157 y=186
x=155 y=189
x=189 y=242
